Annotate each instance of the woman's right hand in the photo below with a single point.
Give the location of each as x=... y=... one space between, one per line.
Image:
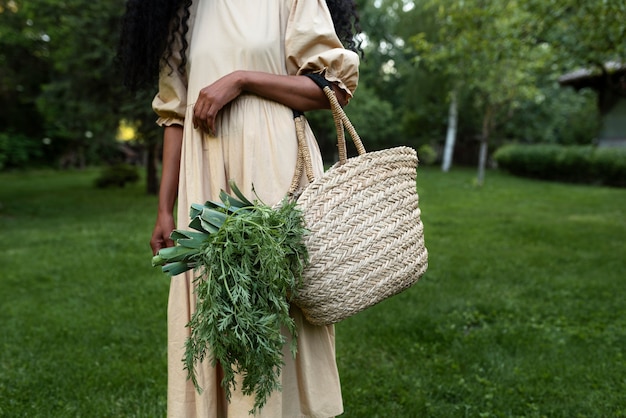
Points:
x=213 y=98
x=161 y=233
x=168 y=190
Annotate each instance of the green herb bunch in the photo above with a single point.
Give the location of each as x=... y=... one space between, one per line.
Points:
x=248 y=259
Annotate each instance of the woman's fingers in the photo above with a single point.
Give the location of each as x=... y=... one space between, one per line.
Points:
x=204 y=114
x=211 y=99
x=200 y=110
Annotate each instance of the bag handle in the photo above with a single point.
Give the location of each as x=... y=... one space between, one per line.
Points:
x=303 y=163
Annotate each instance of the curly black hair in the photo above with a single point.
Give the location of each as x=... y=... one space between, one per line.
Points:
x=346 y=21
x=145 y=47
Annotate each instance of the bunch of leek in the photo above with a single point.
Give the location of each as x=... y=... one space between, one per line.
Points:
x=248 y=259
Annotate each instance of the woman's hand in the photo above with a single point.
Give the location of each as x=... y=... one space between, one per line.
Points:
x=213 y=98
x=295 y=92
x=168 y=189
x=161 y=233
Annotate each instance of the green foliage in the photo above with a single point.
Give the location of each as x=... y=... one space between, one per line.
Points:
x=521 y=312
x=17 y=150
x=579 y=164
x=251 y=264
x=60 y=80
x=117 y=176
x=249 y=258
x=488 y=49
x=608 y=165
x=557 y=116
x=574 y=163
x=530 y=161
x=25 y=67
x=427 y=155
x=375 y=120
x=599 y=30
x=503 y=58
x=81 y=102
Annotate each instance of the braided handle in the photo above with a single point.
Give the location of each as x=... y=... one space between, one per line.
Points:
x=342 y=123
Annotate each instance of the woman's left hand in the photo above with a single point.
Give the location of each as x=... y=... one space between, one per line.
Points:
x=213 y=98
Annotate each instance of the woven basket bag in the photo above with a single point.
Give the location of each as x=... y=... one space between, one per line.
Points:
x=366 y=237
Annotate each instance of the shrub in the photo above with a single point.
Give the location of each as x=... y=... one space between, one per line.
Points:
x=573 y=164
x=576 y=164
x=117 y=176
x=608 y=165
x=529 y=161
x=427 y=154
x=17 y=150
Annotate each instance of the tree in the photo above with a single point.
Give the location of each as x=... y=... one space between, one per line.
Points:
x=438 y=50
x=59 y=58
x=487 y=48
x=81 y=101
x=587 y=33
x=22 y=59
x=389 y=73
x=24 y=68
x=58 y=78
x=591 y=36
x=451 y=134
x=136 y=108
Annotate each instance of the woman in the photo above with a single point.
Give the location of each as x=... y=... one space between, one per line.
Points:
x=230 y=73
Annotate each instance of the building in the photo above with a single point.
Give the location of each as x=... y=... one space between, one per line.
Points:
x=610 y=84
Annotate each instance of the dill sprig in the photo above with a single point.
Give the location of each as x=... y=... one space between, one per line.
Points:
x=248 y=259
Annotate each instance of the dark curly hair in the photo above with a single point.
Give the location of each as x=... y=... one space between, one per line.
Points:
x=145 y=46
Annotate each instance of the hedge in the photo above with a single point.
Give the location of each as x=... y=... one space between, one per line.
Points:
x=117 y=176
x=575 y=164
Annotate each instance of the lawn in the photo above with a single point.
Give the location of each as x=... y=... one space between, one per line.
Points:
x=521 y=313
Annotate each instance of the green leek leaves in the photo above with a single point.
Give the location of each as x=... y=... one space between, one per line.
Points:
x=247 y=258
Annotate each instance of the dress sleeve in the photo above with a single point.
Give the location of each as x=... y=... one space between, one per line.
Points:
x=171 y=100
x=312 y=46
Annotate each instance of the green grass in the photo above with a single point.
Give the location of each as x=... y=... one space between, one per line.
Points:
x=82 y=312
x=522 y=312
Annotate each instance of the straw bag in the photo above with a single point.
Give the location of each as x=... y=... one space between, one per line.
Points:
x=366 y=240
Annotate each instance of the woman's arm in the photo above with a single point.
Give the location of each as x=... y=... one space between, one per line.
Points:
x=296 y=92
x=168 y=190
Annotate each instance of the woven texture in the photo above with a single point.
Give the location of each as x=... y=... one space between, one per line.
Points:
x=366 y=240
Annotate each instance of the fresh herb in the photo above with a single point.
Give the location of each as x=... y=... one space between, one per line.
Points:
x=248 y=259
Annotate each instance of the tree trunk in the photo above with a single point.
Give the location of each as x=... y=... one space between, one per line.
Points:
x=453 y=118
x=484 y=145
x=482 y=161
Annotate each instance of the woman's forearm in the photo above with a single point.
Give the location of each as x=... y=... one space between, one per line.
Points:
x=168 y=189
x=296 y=92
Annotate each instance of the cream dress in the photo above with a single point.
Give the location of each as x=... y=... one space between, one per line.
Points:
x=255 y=144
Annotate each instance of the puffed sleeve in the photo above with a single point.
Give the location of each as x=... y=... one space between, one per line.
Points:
x=312 y=46
x=171 y=100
